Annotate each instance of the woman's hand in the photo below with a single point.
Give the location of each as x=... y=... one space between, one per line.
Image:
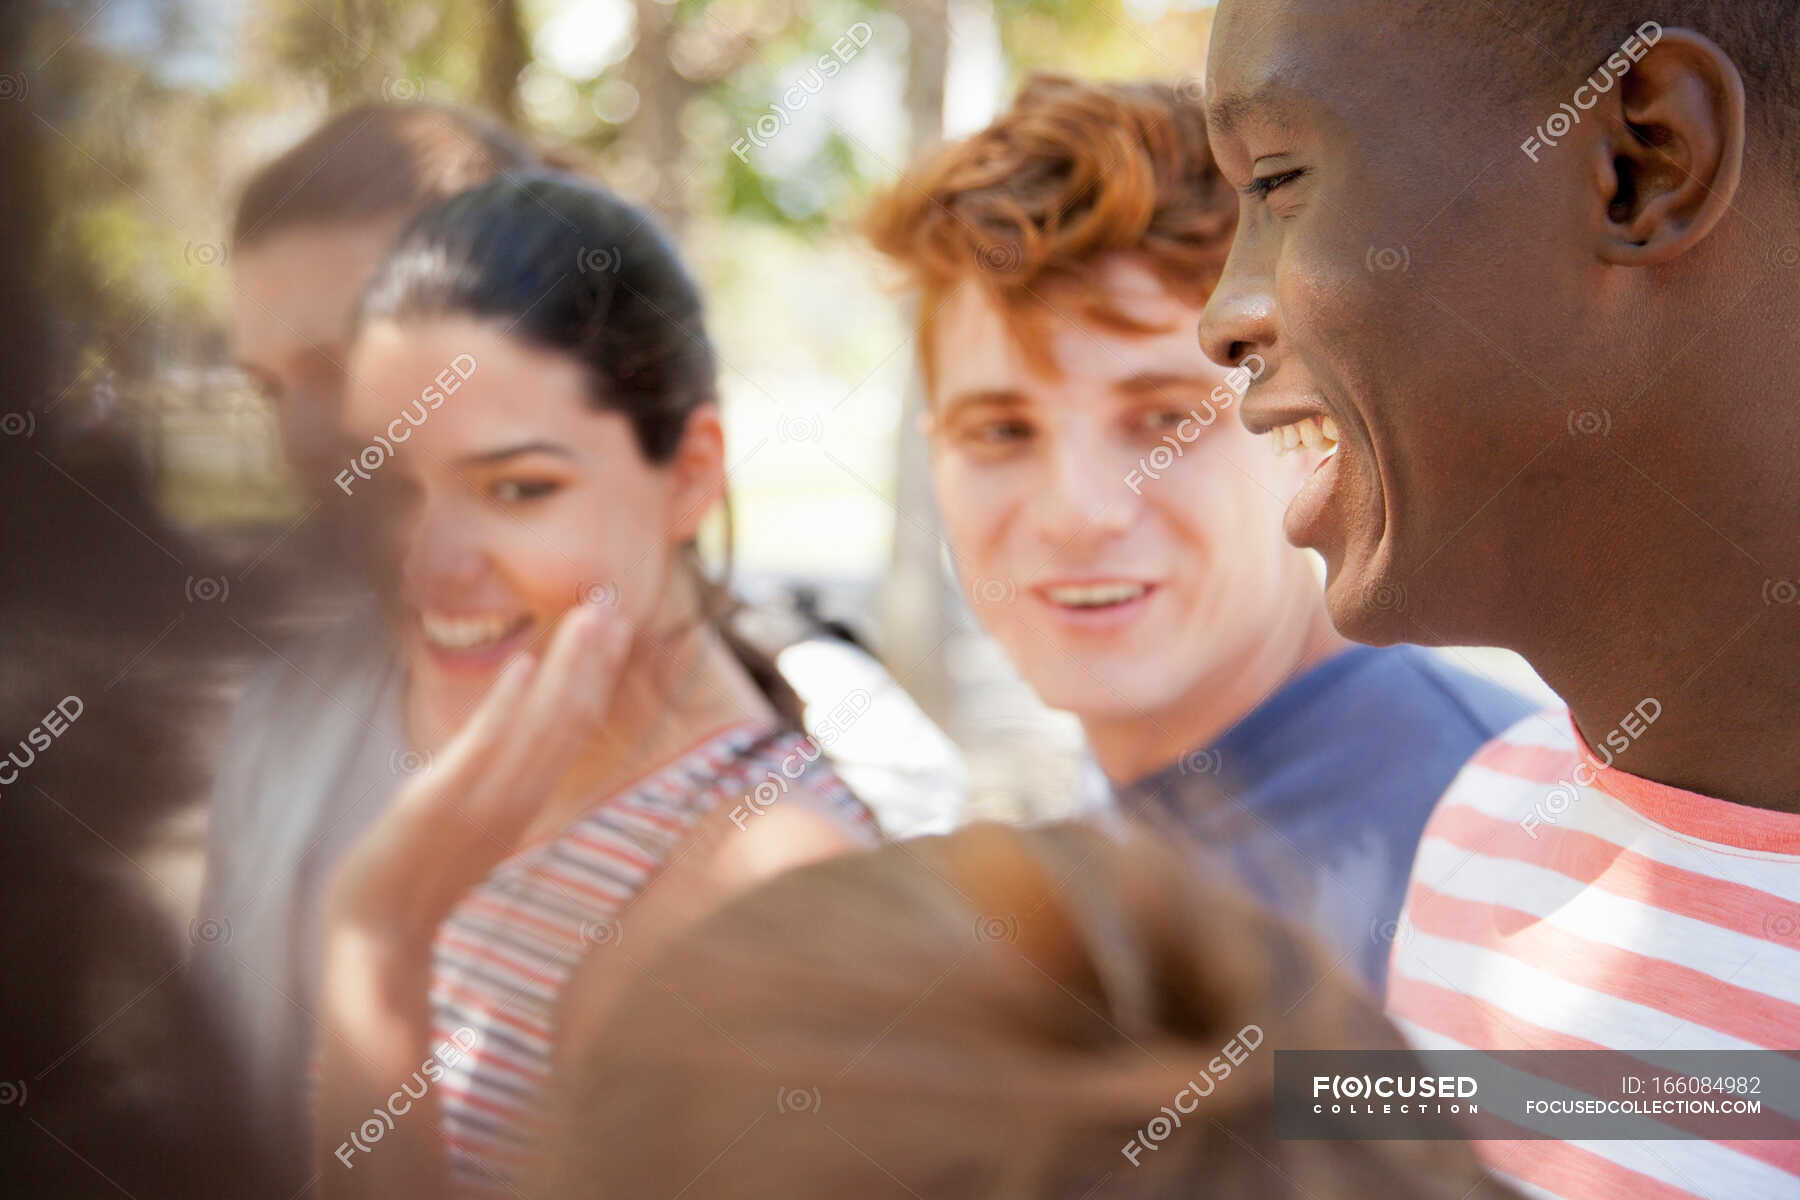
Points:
x=465 y=813
x=441 y=836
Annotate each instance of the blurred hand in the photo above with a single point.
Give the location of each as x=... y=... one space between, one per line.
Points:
x=465 y=814
x=442 y=835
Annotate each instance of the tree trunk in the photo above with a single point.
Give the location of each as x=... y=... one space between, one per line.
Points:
x=504 y=54
x=915 y=601
x=656 y=127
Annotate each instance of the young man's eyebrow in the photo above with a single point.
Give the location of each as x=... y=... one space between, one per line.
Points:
x=1269 y=100
x=1149 y=383
x=488 y=458
x=974 y=396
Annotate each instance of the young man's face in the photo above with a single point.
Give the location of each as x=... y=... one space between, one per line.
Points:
x=1412 y=275
x=1118 y=579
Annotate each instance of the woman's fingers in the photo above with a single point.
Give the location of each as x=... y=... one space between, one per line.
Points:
x=574 y=690
x=459 y=769
x=559 y=713
x=452 y=823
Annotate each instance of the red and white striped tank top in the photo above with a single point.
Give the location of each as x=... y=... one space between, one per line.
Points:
x=501 y=960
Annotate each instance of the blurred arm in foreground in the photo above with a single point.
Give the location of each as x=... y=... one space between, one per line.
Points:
x=996 y=1013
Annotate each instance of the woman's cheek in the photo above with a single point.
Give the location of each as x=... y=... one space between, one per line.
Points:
x=540 y=560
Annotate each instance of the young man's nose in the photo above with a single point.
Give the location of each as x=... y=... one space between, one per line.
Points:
x=1086 y=495
x=1240 y=318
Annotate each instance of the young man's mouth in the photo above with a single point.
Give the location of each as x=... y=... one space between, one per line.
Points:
x=1096 y=603
x=1316 y=500
x=1311 y=433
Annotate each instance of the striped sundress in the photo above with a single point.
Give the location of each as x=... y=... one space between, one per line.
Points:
x=502 y=959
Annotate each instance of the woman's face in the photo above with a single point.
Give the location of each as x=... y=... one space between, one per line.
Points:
x=501 y=496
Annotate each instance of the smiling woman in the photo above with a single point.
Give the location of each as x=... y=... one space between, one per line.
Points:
x=547 y=510
x=595 y=394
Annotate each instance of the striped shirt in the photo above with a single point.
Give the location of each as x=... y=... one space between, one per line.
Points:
x=1558 y=903
x=501 y=960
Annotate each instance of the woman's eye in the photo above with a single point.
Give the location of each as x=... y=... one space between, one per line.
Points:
x=1158 y=420
x=515 y=491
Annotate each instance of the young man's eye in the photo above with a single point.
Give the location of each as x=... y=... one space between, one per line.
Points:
x=1159 y=419
x=1260 y=187
x=519 y=491
x=999 y=433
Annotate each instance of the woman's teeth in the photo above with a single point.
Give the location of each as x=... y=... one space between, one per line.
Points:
x=1314 y=433
x=1095 y=595
x=467 y=633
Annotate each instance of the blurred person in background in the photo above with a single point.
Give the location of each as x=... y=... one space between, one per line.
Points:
x=1118 y=531
x=115 y=1074
x=309 y=228
x=999 y=1013
x=312 y=753
x=568 y=666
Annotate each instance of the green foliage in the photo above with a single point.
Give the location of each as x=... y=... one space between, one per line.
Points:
x=1102 y=39
x=144 y=161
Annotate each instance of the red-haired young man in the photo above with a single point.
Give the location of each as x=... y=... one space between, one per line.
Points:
x=1117 y=530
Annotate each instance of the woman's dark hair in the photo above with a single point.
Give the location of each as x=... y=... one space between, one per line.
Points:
x=569 y=267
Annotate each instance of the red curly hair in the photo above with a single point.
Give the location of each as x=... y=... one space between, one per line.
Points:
x=1072 y=173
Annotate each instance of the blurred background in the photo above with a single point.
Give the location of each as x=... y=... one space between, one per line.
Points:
x=755 y=129
x=716 y=114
